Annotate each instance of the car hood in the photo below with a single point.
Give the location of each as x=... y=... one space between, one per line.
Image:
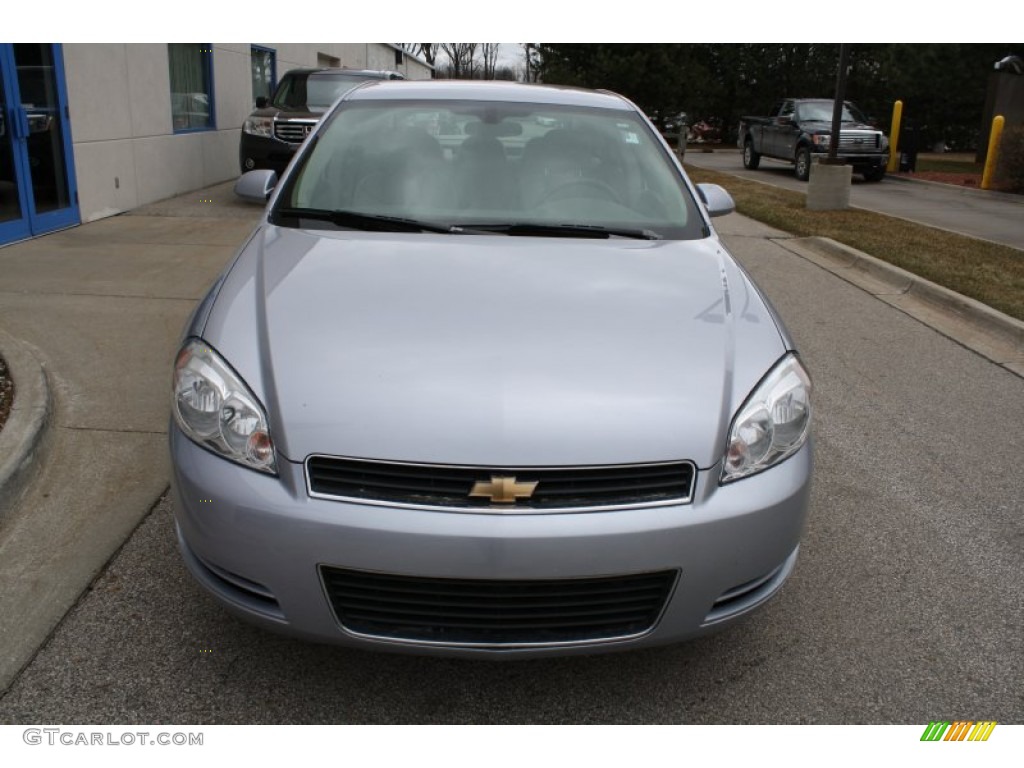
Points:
x=493 y=350
x=292 y=113
x=819 y=126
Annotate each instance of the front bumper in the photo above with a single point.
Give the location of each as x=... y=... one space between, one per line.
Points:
x=257 y=543
x=867 y=160
x=256 y=152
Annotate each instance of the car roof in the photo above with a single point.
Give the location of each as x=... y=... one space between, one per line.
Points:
x=382 y=73
x=488 y=90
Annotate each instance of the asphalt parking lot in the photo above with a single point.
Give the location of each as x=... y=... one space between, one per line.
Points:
x=907 y=603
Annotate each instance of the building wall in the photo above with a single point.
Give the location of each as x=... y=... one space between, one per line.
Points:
x=126 y=153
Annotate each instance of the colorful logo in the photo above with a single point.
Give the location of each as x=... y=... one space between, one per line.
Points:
x=960 y=730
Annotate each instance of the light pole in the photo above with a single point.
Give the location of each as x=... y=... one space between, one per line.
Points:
x=837 y=108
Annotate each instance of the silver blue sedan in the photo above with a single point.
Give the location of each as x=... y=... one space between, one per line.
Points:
x=485 y=381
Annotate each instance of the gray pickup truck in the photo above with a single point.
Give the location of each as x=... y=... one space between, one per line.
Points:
x=799 y=130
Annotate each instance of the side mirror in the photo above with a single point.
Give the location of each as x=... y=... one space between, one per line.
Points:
x=261 y=102
x=256 y=186
x=784 y=120
x=716 y=200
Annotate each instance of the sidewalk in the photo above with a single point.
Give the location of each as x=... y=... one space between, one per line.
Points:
x=100 y=308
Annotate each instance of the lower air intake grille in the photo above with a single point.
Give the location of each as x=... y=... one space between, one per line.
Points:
x=495 y=613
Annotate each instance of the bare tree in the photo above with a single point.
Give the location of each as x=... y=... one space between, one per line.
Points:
x=427 y=50
x=489 y=55
x=461 y=56
x=531 y=59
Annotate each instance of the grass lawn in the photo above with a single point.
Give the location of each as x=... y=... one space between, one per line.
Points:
x=990 y=273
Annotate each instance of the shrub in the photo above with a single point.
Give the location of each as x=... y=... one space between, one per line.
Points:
x=1009 y=173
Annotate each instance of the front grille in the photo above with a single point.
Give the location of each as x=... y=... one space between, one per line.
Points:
x=863 y=141
x=493 y=612
x=295 y=131
x=450 y=486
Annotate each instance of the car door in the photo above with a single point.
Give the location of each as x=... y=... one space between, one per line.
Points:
x=789 y=132
x=782 y=129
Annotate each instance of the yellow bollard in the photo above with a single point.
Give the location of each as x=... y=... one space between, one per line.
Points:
x=894 y=138
x=993 y=151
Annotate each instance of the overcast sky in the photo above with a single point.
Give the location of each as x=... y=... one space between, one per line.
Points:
x=510 y=55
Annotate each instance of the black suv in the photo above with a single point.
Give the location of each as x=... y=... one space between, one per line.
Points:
x=272 y=133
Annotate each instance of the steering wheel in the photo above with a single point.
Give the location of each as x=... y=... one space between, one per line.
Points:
x=586 y=187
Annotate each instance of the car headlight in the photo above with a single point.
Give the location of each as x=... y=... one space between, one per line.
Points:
x=259 y=126
x=215 y=408
x=822 y=140
x=772 y=424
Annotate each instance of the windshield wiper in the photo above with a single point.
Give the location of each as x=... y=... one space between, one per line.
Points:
x=525 y=229
x=366 y=221
x=379 y=223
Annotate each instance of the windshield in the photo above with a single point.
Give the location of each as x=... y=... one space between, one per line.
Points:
x=822 y=111
x=494 y=165
x=314 y=91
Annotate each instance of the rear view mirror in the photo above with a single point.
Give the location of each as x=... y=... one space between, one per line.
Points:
x=256 y=186
x=261 y=102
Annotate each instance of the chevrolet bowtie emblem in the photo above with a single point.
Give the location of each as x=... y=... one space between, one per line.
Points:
x=502 y=490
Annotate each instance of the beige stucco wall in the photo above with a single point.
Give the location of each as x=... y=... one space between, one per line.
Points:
x=355 y=55
x=126 y=153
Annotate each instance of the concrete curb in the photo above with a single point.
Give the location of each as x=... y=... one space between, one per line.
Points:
x=969 y=191
x=24 y=438
x=990 y=333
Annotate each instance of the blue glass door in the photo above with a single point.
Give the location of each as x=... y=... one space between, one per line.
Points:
x=37 y=180
x=13 y=205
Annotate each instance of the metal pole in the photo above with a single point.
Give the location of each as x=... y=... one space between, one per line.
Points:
x=837 y=109
x=993 y=151
x=894 y=138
